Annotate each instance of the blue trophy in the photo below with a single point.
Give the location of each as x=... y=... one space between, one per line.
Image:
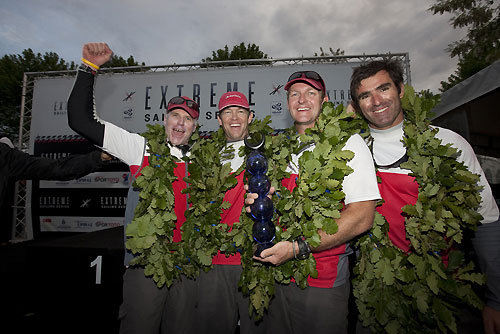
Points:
x=263 y=230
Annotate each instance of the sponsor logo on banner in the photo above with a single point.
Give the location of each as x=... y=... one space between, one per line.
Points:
x=276 y=89
x=102 y=179
x=107 y=224
x=55 y=155
x=126 y=179
x=128 y=113
x=84 y=224
x=113 y=202
x=64 y=226
x=60 y=108
x=54 y=202
x=85 y=203
x=93 y=180
x=128 y=96
x=276 y=107
x=84 y=180
x=79 y=224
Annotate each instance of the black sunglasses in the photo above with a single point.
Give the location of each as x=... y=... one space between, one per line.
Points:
x=307 y=74
x=179 y=100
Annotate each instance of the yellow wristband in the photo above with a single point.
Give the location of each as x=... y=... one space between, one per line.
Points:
x=94 y=66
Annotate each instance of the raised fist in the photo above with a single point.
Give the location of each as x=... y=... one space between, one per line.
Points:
x=97 y=53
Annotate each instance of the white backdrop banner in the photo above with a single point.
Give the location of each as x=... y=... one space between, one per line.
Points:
x=133 y=100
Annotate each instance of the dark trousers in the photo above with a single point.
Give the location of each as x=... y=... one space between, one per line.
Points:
x=310 y=310
x=221 y=304
x=147 y=309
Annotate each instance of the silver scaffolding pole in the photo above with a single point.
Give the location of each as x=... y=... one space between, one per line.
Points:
x=20 y=229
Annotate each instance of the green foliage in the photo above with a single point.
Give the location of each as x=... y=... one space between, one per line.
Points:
x=12 y=68
x=239 y=52
x=209 y=179
x=313 y=204
x=468 y=65
x=150 y=234
x=335 y=53
x=481 y=47
x=416 y=292
x=118 y=61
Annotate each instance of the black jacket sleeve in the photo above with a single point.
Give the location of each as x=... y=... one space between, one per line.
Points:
x=81 y=109
x=17 y=165
x=487 y=246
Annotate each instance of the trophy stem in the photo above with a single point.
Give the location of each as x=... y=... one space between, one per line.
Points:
x=262 y=246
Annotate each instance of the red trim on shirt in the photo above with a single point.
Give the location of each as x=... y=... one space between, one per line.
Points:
x=327 y=260
x=178 y=185
x=235 y=196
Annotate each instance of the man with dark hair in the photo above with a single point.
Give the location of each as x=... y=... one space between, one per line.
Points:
x=145 y=307
x=322 y=307
x=376 y=90
x=392 y=67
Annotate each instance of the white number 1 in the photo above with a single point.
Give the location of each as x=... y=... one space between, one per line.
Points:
x=97 y=262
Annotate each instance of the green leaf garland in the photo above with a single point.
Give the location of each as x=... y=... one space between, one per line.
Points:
x=398 y=292
x=210 y=178
x=312 y=205
x=150 y=234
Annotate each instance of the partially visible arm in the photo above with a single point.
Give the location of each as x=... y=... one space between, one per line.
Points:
x=355 y=219
x=361 y=190
x=488 y=207
x=83 y=119
x=81 y=109
x=22 y=166
x=486 y=240
x=486 y=243
x=491 y=320
x=81 y=115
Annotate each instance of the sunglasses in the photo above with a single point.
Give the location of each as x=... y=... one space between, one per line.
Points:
x=179 y=100
x=307 y=74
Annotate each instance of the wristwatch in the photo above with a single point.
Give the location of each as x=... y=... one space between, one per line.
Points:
x=304 y=249
x=87 y=69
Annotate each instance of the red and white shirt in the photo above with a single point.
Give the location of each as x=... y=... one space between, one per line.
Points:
x=361 y=185
x=399 y=189
x=131 y=149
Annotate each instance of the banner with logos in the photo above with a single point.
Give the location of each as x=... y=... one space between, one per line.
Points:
x=90 y=203
x=132 y=101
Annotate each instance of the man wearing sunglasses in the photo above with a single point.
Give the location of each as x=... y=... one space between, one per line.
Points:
x=145 y=307
x=322 y=307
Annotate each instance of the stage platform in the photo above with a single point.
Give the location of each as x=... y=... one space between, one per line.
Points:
x=52 y=285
